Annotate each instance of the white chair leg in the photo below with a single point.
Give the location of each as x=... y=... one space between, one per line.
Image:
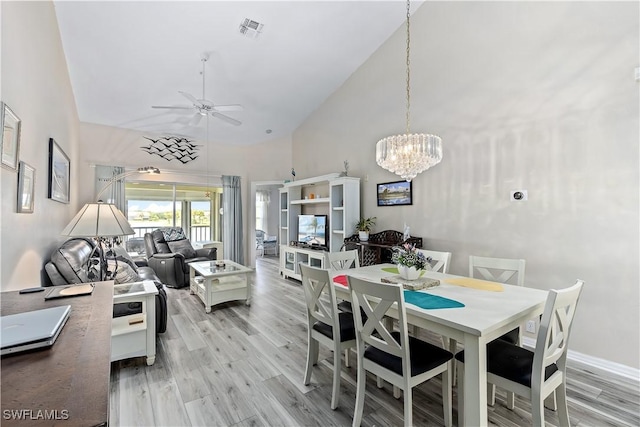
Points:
x=537 y=410
x=550 y=402
x=453 y=348
x=346 y=357
x=460 y=369
x=335 y=394
x=360 y=391
x=379 y=382
x=511 y=400
x=312 y=359
x=446 y=395
x=396 y=392
x=491 y=394
x=408 y=407
x=563 y=410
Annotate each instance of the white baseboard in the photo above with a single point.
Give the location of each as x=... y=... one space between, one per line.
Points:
x=594 y=364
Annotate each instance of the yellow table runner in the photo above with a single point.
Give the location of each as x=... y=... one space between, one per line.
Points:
x=468 y=282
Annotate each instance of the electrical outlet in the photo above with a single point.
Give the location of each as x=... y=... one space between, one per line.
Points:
x=531 y=326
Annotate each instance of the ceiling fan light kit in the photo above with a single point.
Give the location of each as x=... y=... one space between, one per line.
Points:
x=202 y=106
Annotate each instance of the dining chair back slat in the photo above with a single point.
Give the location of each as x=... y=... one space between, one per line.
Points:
x=440 y=260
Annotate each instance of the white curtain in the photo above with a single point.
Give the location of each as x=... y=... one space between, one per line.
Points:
x=115 y=193
x=262 y=210
x=232 y=219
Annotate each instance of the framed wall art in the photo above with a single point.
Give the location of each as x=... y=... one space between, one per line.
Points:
x=10 y=141
x=26 y=185
x=59 y=173
x=395 y=193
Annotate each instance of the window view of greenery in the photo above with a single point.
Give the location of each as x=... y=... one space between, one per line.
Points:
x=153 y=205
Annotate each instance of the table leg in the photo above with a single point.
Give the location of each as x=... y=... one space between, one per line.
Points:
x=248 y=300
x=475 y=381
x=208 y=284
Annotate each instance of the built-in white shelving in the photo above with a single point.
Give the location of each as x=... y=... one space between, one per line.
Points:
x=336 y=196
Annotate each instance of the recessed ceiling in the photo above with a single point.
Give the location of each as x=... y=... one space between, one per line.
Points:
x=124 y=57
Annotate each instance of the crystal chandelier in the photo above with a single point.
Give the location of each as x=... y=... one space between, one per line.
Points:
x=409 y=154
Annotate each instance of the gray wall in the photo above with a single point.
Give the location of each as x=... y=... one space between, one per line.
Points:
x=538 y=96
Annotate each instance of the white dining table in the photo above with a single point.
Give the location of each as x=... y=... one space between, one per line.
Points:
x=486 y=315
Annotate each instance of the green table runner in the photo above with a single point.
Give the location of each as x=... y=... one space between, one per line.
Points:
x=429 y=301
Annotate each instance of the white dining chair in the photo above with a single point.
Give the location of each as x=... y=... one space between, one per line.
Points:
x=536 y=374
x=439 y=259
x=343 y=260
x=502 y=270
x=387 y=353
x=325 y=324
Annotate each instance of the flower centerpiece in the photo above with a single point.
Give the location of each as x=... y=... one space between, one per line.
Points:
x=410 y=261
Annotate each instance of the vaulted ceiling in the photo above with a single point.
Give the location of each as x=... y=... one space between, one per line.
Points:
x=125 y=57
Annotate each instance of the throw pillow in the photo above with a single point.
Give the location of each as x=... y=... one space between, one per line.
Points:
x=119 y=272
x=123 y=273
x=172 y=233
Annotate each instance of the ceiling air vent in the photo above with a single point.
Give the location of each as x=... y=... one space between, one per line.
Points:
x=250 y=28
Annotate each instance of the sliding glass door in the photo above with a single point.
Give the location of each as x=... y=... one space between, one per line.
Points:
x=196 y=209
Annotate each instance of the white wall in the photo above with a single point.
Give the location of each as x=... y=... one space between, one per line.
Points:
x=532 y=95
x=35 y=84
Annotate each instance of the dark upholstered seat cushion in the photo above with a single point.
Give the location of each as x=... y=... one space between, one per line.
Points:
x=347 y=329
x=424 y=356
x=346 y=307
x=511 y=337
x=511 y=362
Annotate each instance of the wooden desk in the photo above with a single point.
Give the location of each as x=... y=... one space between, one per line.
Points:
x=486 y=316
x=69 y=382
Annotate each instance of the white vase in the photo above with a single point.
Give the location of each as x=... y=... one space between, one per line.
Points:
x=408 y=273
x=363 y=236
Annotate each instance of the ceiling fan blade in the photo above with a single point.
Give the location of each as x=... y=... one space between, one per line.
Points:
x=173 y=107
x=195 y=119
x=191 y=98
x=226 y=118
x=228 y=107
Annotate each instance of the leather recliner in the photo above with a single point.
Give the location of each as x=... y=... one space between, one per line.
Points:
x=169 y=253
x=71 y=263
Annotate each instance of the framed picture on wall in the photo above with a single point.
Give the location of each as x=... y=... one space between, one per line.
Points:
x=10 y=141
x=395 y=193
x=59 y=173
x=26 y=183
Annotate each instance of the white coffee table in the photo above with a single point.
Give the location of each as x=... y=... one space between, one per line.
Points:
x=216 y=284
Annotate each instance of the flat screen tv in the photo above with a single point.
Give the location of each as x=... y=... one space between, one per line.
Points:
x=313 y=230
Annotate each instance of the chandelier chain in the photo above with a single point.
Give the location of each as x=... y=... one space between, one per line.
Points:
x=408 y=68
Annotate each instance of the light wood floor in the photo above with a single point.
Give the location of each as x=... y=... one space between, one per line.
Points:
x=243 y=366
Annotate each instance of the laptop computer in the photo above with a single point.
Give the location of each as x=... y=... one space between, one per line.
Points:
x=32 y=329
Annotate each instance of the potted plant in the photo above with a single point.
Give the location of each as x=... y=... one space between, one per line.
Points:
x=364 y=226
x=410 y=261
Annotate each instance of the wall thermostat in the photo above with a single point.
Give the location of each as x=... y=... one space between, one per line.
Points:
x=518 y=195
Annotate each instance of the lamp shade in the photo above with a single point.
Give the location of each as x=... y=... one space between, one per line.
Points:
x=98 y=220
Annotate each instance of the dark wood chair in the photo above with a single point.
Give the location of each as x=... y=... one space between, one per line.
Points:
x=379 y=248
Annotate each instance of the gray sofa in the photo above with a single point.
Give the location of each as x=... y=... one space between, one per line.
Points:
x=75 y=261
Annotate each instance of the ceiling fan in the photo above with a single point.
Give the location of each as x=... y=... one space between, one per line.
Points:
x=203 y=107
